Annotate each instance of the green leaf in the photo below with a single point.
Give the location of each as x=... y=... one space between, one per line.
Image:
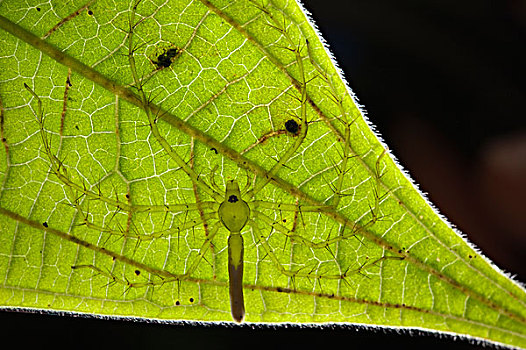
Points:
x=110 y=194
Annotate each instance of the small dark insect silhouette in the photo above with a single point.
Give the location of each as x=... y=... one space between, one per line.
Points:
x=165 y=59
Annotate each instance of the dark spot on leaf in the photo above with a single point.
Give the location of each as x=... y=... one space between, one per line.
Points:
x=45 y=224
x=191 y=300
x=165 y=59
x=215 y=151
x=38 y=9
x=292 y=126
x=90 y=12
x=137 y=272
x=177 y=303
x=232 y=199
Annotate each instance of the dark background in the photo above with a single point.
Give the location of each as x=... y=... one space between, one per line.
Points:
x=443 y=81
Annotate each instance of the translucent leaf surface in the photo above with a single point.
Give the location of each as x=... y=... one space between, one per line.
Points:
x=109 y=202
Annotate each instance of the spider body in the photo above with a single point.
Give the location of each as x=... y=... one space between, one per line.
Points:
x=234 y=213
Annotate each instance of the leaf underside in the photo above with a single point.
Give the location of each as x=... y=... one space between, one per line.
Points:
x=94 y=217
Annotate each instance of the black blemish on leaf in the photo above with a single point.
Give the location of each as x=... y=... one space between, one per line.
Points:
x=215 y=151
x=90 y=12
x=292 y=126
x=165 y=59
x=45 y=224
x=232 y=199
